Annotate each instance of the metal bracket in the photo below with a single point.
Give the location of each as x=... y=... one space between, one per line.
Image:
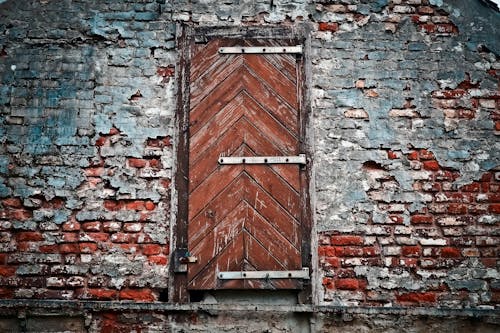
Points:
x=300 y=159
x=297 y=49
x=180 y=264
x=242 y=275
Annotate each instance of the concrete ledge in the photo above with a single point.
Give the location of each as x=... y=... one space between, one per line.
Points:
x=80 y=305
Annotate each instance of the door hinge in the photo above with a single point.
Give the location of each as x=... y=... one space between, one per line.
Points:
x=242 y=275
x=182 y=258
x=296 y=49
x=300 y=159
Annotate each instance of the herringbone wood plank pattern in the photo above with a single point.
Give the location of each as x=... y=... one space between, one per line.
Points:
x=242 y=217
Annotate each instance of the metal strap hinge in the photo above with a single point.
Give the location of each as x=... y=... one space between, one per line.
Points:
x=242 y=275
x=296 y=49
x=300 y=159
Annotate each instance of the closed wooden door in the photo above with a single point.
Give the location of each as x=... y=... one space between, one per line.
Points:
x=243 y=217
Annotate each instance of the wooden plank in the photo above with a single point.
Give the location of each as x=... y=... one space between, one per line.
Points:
x=214 y=102
x=264 y=260
x=206 y=163
x=286 y=64
x=284 y=112
x=211 y=186
x=216 y=210
x=284 y=194
x=205 y=160
x=277 y=246
x=231 y=258
x=215 y=242
x=274 y=79
x=216 y=126
x=270 y=127
x=273 y=212
x=216 y=75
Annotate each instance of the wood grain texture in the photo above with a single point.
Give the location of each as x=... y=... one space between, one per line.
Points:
x=243 y=217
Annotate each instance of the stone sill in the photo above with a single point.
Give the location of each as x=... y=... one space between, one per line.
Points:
x=71 y=306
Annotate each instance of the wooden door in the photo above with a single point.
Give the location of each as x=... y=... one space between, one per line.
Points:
x=243 y=217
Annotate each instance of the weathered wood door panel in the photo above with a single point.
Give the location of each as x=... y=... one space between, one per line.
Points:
x=243 y=217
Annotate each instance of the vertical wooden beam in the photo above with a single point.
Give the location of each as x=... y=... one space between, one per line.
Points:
x=178 y=291
x=306 y=179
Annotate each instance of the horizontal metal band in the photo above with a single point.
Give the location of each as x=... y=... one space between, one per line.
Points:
x=242 y=275
x=300 y=159
x=297 y=49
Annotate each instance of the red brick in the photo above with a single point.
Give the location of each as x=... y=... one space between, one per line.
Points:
x=69 y=248
x=155 y=164
x=422 y=219
x=347 y=284
x=410 y=262
x=94 y=172
x=158 y=260
x=71 y=237
x=392 y=155
x=137 y=295
x=135 y=205
x=447 y=28
x=411 y=251
x=98 y=236
x=329 y=283
x=166 y=71
x=489 y=262
x=349 y=251
x=91 y=226
x=494 y=197
x=113 y=205
x=29 y=236
x=450 y=252
x=151 y=249
x=7 y=271
x=425 y=10
x=370 y=251
x=121 y=237
x=87 y=247
x=326 y=251
x=12 y=203
x=165 y=182
x=425 y=297
x=424 y=154
x=49 y=248
x=494 y=208
x=346 y=240
x=101 y=141
x=149 y=205
x=457 y=209
x=487 y=177
x=137 y=162
x=102 y=294
x=431 y=165
x=114 y=131
x=413 y=155
x=333 y=262
x=6 y=293
x=20 y=214
x=328 y=26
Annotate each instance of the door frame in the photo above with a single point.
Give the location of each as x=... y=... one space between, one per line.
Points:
x=186 y=35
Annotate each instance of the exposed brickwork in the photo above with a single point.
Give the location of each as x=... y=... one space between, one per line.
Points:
x=403 y=135
x=84 y=188
x=443 y=253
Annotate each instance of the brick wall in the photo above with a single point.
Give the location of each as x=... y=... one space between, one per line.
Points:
x=405 y=120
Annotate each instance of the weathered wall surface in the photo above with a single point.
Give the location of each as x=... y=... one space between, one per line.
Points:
x=404 y=141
